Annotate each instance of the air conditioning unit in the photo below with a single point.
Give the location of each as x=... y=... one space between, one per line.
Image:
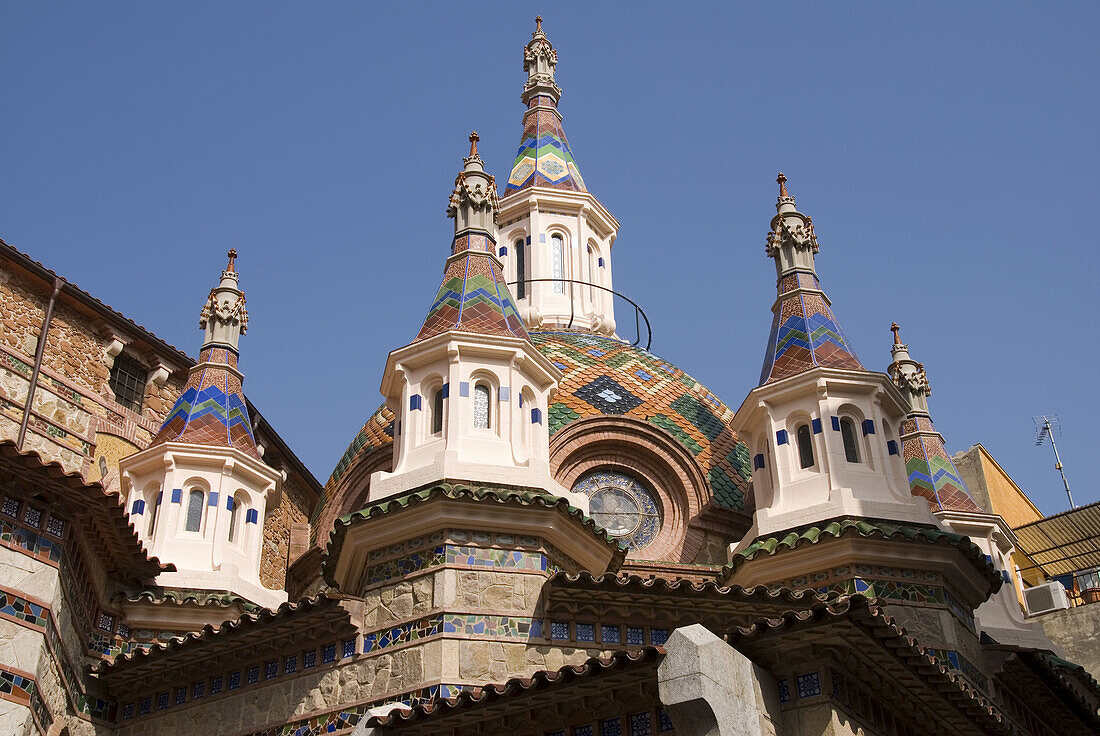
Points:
x=1046 y=598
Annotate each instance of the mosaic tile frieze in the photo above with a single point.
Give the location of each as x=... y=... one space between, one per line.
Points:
x=20 y=609
x=892 y=584
x=460 y=555
x=19 y=688
x=471 y=624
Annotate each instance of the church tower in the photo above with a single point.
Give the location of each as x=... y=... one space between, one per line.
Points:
x=470 y=393
x=820 y=426
x=198 y=495
x=933 y=477
x=556 y=237
x=834 y=509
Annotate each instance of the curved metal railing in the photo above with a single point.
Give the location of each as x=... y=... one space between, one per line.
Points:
x=639 y=313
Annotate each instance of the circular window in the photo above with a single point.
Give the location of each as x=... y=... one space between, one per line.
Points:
x=622 y=506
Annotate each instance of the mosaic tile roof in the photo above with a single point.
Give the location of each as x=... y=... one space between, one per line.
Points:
x=931 y=472
x=211 y=410
x=482 y=494
x=805 y=334
x=473 y=298
x=871 y=528
x=544 y=158
x=602 y=375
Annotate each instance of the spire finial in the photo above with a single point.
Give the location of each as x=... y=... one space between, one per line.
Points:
x=474 y=138
x=232 y=259
x=782 y=181
x=538 y=24
x=897 y=333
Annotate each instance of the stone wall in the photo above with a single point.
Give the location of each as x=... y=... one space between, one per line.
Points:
x=1077 y=632
x=33 y=649
x=22 y=308
x=294 y=508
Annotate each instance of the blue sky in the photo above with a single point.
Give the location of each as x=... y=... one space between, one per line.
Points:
x=947 y=155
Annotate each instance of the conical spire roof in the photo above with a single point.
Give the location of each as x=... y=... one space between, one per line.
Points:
x=544 y=158
x=212 y=410
x=932 y=474
x=474 y=296
x=805 y=334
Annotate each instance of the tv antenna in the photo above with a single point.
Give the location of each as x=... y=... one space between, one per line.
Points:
x=1049 y=425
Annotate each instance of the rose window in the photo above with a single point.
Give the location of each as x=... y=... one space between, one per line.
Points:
x=622 y=506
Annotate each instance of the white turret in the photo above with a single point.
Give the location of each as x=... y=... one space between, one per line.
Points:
x=470 y=393
x=199 y=494
x=555 y=236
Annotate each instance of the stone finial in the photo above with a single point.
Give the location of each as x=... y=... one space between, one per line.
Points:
x=782 y=181
x=474 y=138
x=538 y=24
x=232 y=259
x=897 y=333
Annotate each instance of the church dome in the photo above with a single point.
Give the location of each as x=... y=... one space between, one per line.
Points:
x=605 y=376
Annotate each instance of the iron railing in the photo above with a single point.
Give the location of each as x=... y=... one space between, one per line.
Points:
x=639 y=313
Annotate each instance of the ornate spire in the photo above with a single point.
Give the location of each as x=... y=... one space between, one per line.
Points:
x=474 y=296
x=212 y=410
x=805 y=334
x=932 y=475
x=474 y=204
x=544 y=158
x=224 y=316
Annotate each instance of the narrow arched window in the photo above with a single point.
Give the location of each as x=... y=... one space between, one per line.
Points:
x=437 y=412
x=805 y=447
x=194 y=510
x=557 y=262
x=591 y=273
x=521 y=270
x=232 y=519
x=154 y=507
x=851 y=444
x=481 y=406
x=237 y=508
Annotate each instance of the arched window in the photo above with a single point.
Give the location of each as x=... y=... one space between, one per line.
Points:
x=481 y=406
x=805 y=447
x=592 y=278
x=437 y=411
x=851 y=444
x=237 y=509
x=557 y=262
x=521 y=270
x=194 y=510
x=153 y=502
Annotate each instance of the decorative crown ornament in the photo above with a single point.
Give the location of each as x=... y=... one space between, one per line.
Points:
x=224 y=311
x=475 y=189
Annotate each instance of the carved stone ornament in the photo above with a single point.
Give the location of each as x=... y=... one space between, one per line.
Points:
x=799 y=237
x=472 y=192
x=916 y=383
x=539 y=48
x=224 y=311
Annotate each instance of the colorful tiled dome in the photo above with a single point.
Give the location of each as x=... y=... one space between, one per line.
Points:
x=601 y=376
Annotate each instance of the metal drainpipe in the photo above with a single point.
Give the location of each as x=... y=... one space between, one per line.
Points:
x=39 y=352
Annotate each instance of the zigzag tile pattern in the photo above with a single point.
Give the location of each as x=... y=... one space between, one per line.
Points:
x=932 y=474
x=544 y=158
x=804 y=335
x=211 y=410
x=605 y=376
x=473 y=298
